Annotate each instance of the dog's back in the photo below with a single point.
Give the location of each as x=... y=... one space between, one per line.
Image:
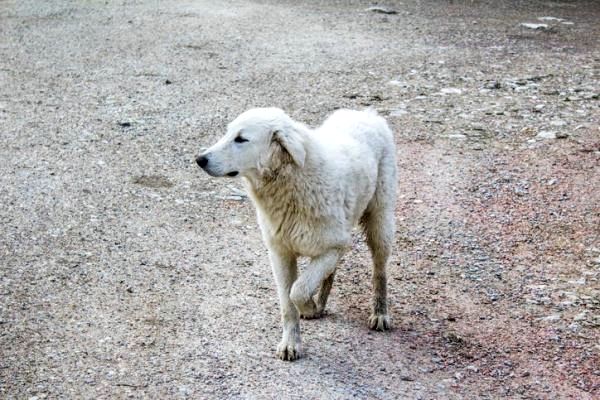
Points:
x=360 y=151
x=366 y=127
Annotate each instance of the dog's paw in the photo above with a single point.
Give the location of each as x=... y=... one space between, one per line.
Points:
x=289 y=350
x=315 y=314
x=380 y=322
x=310 y=310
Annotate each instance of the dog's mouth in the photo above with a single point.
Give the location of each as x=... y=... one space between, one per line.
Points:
x=233 y=173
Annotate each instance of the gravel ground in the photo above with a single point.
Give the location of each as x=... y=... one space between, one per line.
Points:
x=127 y=273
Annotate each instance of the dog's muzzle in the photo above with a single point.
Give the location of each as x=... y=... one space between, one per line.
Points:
x=202 y=161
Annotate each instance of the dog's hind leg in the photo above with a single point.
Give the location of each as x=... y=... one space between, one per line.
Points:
x=319 y=273
x=378 y=224
x=379 y=230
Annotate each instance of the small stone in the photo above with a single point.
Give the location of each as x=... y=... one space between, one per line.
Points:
x=237 y=192
x=492 y=85
x=472 y=368
x=398 y=113
x=168 y=82
x=550 y=19
x=551 y=318
x=558 y=122
x=382 y=10
x=551 y=92
x=456 y=136
x=232 y=198
x=534 y=26
x=546 y=135
x=562 y=135
x=551 y=182
x=450 y=90
x=581 y=316
x=406 y=378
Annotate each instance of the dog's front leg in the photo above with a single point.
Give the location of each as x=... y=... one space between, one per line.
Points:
x=319 y=270
x=285 y=271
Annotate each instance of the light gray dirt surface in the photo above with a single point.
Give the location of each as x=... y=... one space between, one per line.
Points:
x=125 y=272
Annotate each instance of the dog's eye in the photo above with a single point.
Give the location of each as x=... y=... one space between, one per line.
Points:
x=240 y=139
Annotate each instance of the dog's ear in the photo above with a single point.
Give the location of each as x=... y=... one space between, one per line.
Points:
x=291 y=141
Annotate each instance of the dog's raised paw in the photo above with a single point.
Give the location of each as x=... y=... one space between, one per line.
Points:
x=308 y=309
x=380 y=322
x=289 y=351
x=313 y=314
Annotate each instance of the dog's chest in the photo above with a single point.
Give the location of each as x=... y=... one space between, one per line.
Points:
x=298 y=232
x=305 y=222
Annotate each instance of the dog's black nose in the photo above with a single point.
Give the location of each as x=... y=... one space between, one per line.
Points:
x=202 y=161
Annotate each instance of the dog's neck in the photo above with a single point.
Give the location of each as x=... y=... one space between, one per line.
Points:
x=263 y=183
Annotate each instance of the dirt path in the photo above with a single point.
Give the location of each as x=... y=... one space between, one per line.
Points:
x=125 y=272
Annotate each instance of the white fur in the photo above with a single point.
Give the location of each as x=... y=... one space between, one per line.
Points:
x=310 y=188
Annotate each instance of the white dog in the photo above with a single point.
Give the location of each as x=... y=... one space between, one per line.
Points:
x=310 y=188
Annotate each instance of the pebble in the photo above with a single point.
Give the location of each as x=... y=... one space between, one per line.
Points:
x=558 y=122
x=546 y=135
x=492 y=85
x=534 y=26
x=550 y=19
x=233 y=197
x=550 y=318
x=237 y=192
x=580 y=281
x=562 y=135
x=398 y=113
x=456 y=136
x=382 y=10
x=450 y=90
x=581 y=316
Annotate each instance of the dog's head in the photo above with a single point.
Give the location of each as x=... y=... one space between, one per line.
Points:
x=258 y=140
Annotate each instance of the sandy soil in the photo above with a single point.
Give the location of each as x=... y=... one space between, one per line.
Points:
x=127 y=273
